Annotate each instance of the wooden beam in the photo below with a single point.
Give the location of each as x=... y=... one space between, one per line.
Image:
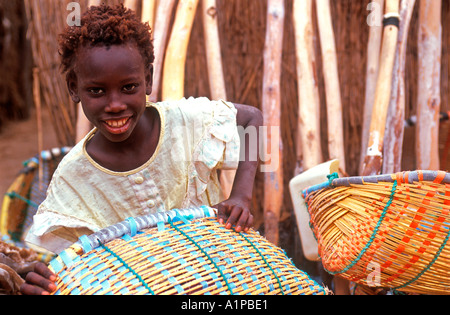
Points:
x=429 y=75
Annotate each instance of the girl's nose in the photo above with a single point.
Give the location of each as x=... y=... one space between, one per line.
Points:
x=115 y=105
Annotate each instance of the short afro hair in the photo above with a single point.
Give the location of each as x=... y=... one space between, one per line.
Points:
x=105 y=26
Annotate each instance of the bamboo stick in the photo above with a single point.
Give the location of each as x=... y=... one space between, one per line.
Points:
x=160 y=35
x=215 y=73
x=273 y=181
x=332 y=85
x=373 y=159
x=396 y=115
x=429 y=75
x=373 y=59
x=309 y=150
x=174 y=63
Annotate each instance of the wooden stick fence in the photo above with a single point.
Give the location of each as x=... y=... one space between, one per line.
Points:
x=317 y=77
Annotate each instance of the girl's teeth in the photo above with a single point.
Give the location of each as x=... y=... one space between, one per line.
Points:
x=117 y=123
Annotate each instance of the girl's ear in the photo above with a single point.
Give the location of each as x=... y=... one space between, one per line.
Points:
x=72 y=86
x=149 y=80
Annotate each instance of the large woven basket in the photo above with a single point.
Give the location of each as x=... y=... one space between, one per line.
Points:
x=25 y=194
x=389 y=231
x=179 y=252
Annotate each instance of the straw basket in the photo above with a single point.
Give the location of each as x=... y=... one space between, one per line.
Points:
x=178 y=252
x=26 y=193
x=388 y=231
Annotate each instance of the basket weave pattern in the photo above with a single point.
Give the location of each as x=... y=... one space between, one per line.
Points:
x=395 y=229
x=198 y=257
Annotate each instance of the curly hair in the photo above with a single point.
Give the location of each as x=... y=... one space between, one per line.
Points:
x=105 y=26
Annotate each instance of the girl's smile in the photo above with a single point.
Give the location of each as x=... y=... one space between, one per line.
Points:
x=118 y=126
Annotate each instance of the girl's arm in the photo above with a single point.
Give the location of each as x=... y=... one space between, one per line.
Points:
x=236 y=209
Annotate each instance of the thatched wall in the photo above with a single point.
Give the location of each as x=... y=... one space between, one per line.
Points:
x=15 y=62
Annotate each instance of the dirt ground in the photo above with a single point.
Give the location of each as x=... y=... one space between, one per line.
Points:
x=19 y=142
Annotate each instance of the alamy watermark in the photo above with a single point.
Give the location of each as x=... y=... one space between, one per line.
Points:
x=74 y=16
x=254 y=144
x=374 y=277
x=375 y=17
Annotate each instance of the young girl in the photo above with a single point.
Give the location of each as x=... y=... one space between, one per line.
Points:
x=140 y=158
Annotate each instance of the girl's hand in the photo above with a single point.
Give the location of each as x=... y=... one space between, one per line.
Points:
x=41 y=281
x=235 y=212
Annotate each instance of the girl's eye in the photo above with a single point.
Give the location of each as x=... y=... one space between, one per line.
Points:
x=96 y=91
x=130 y=87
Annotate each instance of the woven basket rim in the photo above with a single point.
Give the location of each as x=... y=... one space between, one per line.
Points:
x=405 y=177
x=133 y=225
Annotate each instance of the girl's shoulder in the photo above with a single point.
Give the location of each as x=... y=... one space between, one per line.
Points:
x=194 y=109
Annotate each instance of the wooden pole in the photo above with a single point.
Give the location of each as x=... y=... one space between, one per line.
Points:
x=38 y=104
x=213 y=51
x=392 y=151
x=309 y=150
x=174 y=63
x=332 y=86
x=373 y=159
x=215 y=73
x=131 y=4
x=374 y=21
x=160 y=35
x=94 y=2
x=429 y=75
x=273 y=181
x=148 y=12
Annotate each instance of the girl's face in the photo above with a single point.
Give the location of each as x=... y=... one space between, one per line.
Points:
x=112 y=84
